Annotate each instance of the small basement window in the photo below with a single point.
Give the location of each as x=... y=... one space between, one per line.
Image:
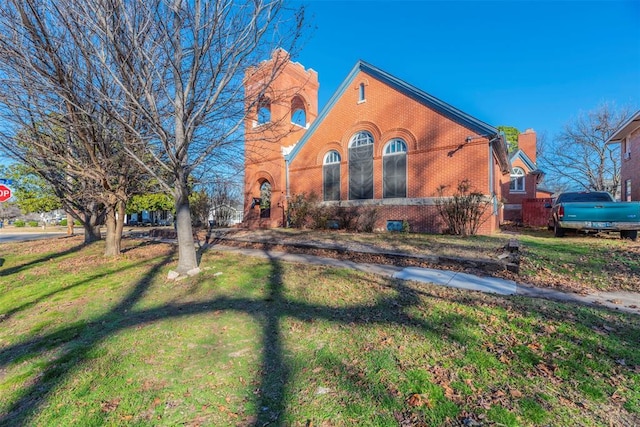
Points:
x=394 y=225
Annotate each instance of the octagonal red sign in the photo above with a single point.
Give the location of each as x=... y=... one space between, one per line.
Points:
x=5 y=193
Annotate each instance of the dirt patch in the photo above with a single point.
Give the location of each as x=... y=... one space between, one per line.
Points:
x=503 y=263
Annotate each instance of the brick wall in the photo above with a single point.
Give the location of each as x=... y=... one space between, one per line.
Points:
x=264 y=143
x=513 y=200
x=630 y=168
x=438 y=155
x=437 y=150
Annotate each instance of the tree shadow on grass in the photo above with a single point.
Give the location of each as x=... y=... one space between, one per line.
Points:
x=42 y=259
x=72 y=344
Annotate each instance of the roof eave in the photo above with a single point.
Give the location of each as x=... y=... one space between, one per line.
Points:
x=478 y=126
x=625 y=129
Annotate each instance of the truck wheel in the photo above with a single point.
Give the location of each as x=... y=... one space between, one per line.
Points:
x=557 y=230
x=629 y=234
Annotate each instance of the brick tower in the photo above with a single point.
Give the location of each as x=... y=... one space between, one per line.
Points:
x=281 y=103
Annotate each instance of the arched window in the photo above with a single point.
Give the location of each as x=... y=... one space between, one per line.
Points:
x=298 y=112
x=264 y=110
x=265 y=200
x=517 y=180
x=394 y=169
x=331 y=176
x=361 y=166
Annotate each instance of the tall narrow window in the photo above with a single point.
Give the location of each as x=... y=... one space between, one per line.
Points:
x=361 y=94
x=361 y=166
x=298 y=112
x=394 y=169
x=627 y=190
x=517 y=180
x=265 y=200
x=331 y=176
x=264 y=110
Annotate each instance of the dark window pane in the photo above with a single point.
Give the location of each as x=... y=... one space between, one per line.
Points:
x=331 y=181
x=361 y=172
x=394 y=176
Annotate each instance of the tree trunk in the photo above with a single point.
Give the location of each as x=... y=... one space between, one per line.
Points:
x=70 y=224
x=187 y=259
x=91 y=232
x=115 y=224
x=91 y=225
x=121 y=213
x=112 y=246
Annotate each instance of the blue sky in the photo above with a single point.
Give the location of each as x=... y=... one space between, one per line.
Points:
x=528 y=64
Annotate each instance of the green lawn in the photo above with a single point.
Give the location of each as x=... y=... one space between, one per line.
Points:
x=580 y=262
x=88 y=341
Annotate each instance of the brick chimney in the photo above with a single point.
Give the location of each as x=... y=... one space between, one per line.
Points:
x=527 y=143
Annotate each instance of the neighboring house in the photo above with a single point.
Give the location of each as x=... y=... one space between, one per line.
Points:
x=225 y=215
x=525 y=177
x=379 y=143
x=628 y=136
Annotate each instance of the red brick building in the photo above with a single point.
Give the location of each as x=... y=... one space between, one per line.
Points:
x=628 y=136
x=524 y=179
x=379 y=142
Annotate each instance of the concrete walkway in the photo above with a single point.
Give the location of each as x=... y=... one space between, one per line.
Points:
x=622 y=301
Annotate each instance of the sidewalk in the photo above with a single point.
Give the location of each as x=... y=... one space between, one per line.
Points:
x=621 y=301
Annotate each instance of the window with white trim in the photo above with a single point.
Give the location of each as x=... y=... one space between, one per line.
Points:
x=331 y=176
x=361 y=93
x=394 y=169
x=361 y=166
x=627 y=190
x=517 y=180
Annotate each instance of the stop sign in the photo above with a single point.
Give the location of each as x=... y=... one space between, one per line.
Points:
x=5 y=193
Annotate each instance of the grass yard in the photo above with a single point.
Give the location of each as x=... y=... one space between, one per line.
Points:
x=580 y=262
x=88 y=341
x=576 y=263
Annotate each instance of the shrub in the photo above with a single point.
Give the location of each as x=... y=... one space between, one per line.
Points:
x=463 y=213
x=63 y=222
x=347 y=218
x=320 y=216
x=19 y=223
x=367 y=219
x=33 y=223
x=298 y=210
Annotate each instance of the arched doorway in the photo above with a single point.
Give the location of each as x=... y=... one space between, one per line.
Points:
x=265 y=199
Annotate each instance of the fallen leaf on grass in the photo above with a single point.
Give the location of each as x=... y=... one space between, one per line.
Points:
x=110 y=405
x=419 y=400
x=515 y=393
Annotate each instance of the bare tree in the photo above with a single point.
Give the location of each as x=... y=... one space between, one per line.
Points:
x=50 y=91
x=226 y=197
x=579 y=158
x=181 y=65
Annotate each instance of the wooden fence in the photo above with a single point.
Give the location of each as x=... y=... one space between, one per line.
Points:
x=534 y=213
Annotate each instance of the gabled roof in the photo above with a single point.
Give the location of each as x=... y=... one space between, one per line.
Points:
x=412 y=92
x=525 y=159
x=533 y=168
x=625 y=129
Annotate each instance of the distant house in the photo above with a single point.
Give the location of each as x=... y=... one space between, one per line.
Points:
x=379 y=144
x=525 y=177
x=628 y=136
x=225 y=215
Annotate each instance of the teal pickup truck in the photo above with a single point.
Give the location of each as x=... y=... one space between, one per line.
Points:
x=594 y=211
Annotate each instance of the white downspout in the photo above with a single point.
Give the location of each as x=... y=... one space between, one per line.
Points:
x=492 y=177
